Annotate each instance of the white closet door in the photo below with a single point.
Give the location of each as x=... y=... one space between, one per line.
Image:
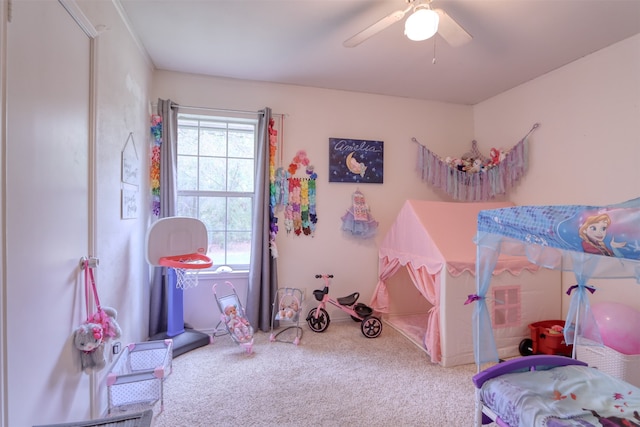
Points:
x=47 y=208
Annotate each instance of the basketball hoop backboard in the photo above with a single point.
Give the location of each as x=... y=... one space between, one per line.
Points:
x=172 y=236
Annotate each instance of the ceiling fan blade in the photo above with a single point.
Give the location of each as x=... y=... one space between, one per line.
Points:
x=376 y=28
x=451 y=31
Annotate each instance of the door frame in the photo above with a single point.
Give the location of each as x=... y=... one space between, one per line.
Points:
x=4 y=17
x=87 y=27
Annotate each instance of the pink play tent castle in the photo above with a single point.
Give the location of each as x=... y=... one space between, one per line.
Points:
x=427 y=273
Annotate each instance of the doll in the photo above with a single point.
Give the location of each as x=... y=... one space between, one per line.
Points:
x=237 y=325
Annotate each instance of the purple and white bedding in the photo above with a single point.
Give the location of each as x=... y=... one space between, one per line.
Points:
x=563 y=396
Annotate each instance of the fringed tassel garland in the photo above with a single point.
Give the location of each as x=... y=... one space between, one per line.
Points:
x=475 y=178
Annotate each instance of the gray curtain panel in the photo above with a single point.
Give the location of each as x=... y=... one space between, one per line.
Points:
x=168 y=110
x=263 y=273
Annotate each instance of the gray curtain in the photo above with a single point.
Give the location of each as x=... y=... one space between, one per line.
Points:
x=263 y=274
x=168 y=110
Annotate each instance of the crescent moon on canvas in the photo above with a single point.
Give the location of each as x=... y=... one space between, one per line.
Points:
x=353 y=165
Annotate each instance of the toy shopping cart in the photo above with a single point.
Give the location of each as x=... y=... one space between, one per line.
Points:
x=233 y=316
x=285 y=319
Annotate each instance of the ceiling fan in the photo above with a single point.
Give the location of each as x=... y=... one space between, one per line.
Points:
x=422 y=24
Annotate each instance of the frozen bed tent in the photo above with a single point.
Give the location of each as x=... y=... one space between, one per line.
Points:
x=556 y=238
x=435 y=242
x=595 y=242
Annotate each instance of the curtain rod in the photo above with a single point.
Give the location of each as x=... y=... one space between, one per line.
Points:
x=221 y=110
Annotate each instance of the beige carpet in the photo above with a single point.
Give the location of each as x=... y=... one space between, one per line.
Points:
x=334 y=378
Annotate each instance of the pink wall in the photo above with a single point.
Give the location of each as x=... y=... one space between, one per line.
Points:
x=587 y=148
x=584 y=151
x=312 y=117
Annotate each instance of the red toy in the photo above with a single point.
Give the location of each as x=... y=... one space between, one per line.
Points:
x=547 y=337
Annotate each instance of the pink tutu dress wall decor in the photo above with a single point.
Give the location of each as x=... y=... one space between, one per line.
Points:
x=357 y=221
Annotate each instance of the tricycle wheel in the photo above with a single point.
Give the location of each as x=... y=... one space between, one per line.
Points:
x=526 y=347
x=371 y=327
x=319 y=323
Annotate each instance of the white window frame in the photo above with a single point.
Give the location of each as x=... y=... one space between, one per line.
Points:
x=226 y=267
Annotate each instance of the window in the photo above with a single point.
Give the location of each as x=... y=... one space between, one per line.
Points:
x=506 y=309
x=215 y=183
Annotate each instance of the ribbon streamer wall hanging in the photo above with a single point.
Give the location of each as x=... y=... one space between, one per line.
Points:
x=474 y=177
x=278 y=181
x=156 y=135
x=275 y=188
x=300 y=215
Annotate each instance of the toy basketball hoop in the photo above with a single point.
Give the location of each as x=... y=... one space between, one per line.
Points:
x=186 y=268
x=179 y=243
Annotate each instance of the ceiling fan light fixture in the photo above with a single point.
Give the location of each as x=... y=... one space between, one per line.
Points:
x=421 y=25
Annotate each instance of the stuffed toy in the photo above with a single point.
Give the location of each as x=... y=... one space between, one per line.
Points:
x=474 y=166
x=455 y=163
x=88 y=339
x=496 y=156
x=107 y=318
x=555 y=330
x=288 y=311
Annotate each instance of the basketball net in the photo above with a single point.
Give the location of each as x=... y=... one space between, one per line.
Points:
x=186 y=278
x=186 y=268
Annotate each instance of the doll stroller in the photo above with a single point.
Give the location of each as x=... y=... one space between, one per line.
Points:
x=285 y=319
x=233 y=317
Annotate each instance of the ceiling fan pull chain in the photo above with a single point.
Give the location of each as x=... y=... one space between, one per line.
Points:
x=433 y=61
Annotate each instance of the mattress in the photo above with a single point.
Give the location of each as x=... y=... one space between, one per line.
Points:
x=562 y=396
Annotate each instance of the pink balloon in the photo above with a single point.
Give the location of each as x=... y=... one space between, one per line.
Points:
x=619 y=326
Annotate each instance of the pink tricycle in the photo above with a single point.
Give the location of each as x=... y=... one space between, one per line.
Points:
x=318 y=318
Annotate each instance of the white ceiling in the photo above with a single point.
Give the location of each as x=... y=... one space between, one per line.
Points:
x=300 y=42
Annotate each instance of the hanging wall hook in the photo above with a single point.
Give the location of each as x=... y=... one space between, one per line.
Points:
x=92 y=262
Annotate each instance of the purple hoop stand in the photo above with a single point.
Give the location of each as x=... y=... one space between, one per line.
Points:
x=184 y=339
